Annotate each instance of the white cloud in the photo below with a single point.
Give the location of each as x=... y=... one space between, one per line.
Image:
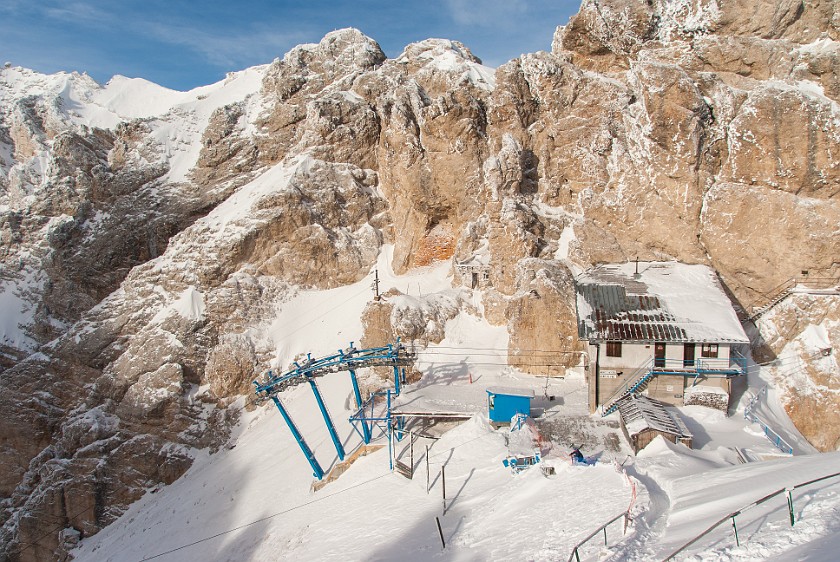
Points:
x=78 y=12
x=225 y=50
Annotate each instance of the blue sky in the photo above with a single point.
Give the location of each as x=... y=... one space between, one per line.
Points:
x=182 y=44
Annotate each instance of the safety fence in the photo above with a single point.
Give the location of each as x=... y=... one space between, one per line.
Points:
x=775 y=438
x=575 y=555
x=731 y=516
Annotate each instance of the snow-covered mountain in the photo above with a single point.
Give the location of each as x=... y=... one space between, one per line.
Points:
x=159 y=248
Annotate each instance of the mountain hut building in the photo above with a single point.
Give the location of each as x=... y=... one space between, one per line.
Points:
x=663 y=329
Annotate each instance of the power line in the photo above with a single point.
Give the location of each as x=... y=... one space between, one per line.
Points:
x=329 y=310
x=505 y=349
x=53 y=530
x=266 y=518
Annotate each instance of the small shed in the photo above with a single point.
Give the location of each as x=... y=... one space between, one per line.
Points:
x=504 y=403
x=642 y=419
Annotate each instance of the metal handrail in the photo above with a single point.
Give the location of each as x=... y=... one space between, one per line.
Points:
x=748 y=506
x=781 y=290
x=771 y=435
x=574 y=555
x=634 y=377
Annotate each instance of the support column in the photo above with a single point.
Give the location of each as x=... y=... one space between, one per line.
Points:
x=307 y=452
x=390 y=431
x=400 y=423
x=356 y=393
x=396 y=380
x=358 y=396
x=330 y=427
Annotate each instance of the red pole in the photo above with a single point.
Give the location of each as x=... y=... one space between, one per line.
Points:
x=470 y=378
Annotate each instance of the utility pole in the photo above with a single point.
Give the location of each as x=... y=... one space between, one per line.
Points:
x=375 y=286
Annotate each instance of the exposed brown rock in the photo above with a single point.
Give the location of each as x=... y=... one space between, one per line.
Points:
x=803 y=332
x=702 y=131
x=542 y=319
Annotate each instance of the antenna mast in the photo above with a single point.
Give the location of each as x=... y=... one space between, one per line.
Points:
x=375 y=286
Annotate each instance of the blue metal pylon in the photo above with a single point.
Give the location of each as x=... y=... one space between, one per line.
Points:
x=390 y=431
x=400 y=424
x=351 y=359
x=307 y=452
x=330 y=427
x=358 y=395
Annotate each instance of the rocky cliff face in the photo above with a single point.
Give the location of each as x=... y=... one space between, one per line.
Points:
x=801 y=335
x=148 y=237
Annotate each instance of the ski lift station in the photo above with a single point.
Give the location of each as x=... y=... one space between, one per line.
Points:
x=504 y=403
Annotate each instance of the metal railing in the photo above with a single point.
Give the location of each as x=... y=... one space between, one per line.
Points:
x=626 y=514
x=731 y=516
x=783 y=290
x=576 y=556
x=634 y=378
x=736 y=364
x=771 y=435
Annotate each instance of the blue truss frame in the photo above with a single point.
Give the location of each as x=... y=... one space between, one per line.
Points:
x=350 y=360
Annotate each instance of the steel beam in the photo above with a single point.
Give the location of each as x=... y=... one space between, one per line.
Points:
x=358 y=396
x=330 y=427
x=307 y=452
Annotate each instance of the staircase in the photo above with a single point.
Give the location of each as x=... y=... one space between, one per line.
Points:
x=636 y=382
x=817 y=285
x=780 y=293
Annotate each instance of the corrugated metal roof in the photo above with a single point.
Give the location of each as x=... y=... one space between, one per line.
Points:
x=616 y=305
x=640 y=413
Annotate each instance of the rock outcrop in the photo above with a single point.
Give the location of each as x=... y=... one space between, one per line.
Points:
x=145 y=249
x=801 y=334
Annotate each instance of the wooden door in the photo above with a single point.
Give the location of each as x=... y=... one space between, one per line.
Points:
x=659 y=354
x=688 y=355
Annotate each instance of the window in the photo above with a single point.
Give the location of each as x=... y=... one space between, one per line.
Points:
x=709 y=350
x=613 y=349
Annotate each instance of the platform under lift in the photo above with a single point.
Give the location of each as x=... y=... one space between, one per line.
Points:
x=270 y=384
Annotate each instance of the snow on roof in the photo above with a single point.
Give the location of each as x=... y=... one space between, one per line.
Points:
x=479 y=261
x=640 y=413
x=666 y=301
x=526 y=392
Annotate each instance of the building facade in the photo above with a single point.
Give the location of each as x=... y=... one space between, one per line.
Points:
x=661 y=329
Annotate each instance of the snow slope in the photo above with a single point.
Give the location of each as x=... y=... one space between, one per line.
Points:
x=263 y=482
x=253 y=500
x=259 y=492
x=700 y=500
x=177 y=119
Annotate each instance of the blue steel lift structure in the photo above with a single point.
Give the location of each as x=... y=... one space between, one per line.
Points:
x=350 y=359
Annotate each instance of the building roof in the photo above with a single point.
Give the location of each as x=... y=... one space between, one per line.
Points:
x=666 y=301
x=524 y=392
x=640 y=413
